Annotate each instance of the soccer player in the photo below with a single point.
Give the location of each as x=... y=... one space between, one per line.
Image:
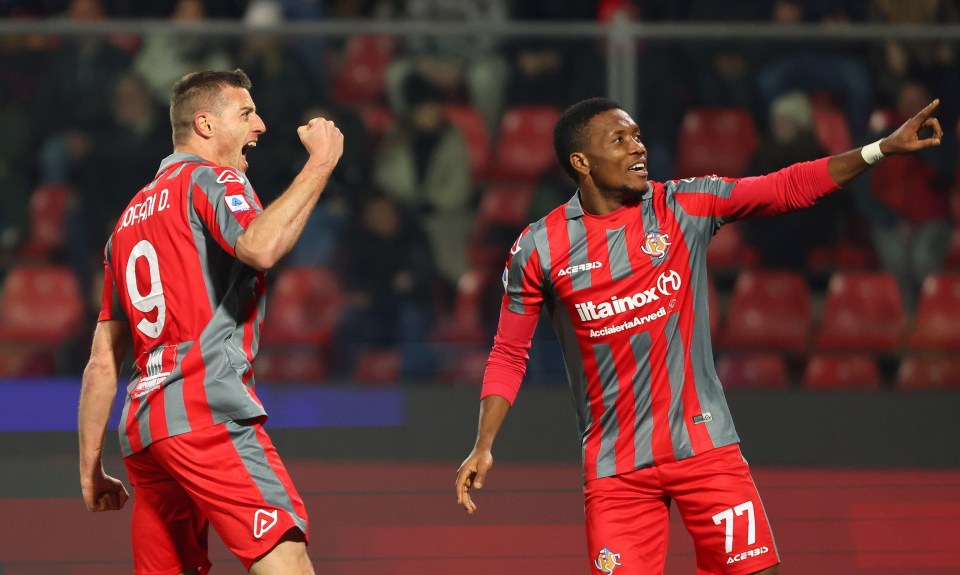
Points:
x=621 y=269
x=184 y=283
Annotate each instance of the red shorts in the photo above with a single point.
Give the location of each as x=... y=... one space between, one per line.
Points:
x=228 y=475
x=628 y=517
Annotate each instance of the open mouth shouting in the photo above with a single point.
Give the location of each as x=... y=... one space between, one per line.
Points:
x=245 y=164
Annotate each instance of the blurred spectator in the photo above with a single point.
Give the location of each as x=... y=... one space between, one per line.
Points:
x=785 y=241
x=541 y=68
x=165 y=58
x=307 y=51
x=111 y=165
x=424 y=163
x=81 y=70
x=321 y=235
x=908 y=206
x=386 y=269
x=836 y=69
x=453 y=64
x=20 y=58
x=933 y=62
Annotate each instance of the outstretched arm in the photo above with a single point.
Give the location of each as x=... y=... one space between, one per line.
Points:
x=99 y=388
x=904 y=140
x=473 y=470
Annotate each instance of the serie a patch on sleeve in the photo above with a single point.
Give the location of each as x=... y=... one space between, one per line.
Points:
x=237 y=203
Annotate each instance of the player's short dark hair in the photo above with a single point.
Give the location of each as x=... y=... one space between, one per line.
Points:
x=201 y=91
x=570 y=133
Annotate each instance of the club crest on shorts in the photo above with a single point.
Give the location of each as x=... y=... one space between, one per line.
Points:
x=655 y=244
x=607 y=561
x=263 y=521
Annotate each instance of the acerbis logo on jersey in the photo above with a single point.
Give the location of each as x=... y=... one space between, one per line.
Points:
x=263 y=521
x=228 y=176
x=667 y=283
x=580 y=268
x=656 y=244
x=237 y=204
x=748 y=554
x=607 y=561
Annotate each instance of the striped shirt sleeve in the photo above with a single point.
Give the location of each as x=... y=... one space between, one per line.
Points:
x=110 y=308
x=523 y=276
x=225 y=202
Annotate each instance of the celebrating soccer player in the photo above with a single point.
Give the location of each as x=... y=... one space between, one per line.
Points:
x=621 y=269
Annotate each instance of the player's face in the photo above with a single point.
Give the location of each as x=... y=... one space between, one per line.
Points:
x=239 y=127
x=618 y=159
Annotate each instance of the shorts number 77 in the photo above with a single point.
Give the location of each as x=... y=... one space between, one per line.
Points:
x=726 y=516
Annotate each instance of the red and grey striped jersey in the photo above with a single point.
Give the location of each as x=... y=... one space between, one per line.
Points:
x=194 y=309
x=627 y=296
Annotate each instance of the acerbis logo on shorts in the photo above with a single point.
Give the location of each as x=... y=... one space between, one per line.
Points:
x=747 y=554
x=607 y=561
x=263 y=521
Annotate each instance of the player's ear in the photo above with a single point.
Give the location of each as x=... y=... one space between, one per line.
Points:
x=202 y=124
x=580 y=163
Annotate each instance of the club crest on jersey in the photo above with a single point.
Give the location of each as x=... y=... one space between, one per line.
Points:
x=237 y=204
x=656 y=244
x=607 y=561
x=228 y=176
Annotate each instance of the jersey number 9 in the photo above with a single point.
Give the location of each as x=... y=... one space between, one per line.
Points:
x=153 y=300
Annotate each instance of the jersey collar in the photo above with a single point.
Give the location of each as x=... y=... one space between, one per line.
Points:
x=177 y=158
x=574 y=210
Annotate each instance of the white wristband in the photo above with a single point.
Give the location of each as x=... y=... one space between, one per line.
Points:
x=871 y=153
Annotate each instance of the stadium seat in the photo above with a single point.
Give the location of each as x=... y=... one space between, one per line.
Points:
x=361 y=78
x=922 y=372
x=40 y=305
x=284 y=364
x=937 y=320
x=48 y=212
x=718 y=140
x=464 y=365
x=465 y=322
x=832 y=130
x=505 y=205
x=378 y=366
x=862 y=311
x=474 y=129
x=769 y=310
x=305 y=306
x=523 y=150
x=753 y=370
x=729 y=252
x=854 y=371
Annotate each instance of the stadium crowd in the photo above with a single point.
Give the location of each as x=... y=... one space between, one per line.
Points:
x=448 y=155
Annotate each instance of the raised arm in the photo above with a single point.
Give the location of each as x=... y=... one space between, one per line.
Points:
x=274 y=233
x=904 y=140
x=98 y=390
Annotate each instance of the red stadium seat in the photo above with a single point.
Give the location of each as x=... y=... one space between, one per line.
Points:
x=378 y=120
x=856 y=371
x=717 y=141
x=282 y=364
x=729 y=252
x=305 y=307
x=921 y=372
x=753 y=370
x=832 y=130
x=862 y=311
x=769 y=310
x=48 y=211
x=361 y=78
x=524 y=146
x=378 y=366
x=465 y=365
x=937 y=321
x=503 y=205
x=474 y=129
x=40 y=304
x=465 y=322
